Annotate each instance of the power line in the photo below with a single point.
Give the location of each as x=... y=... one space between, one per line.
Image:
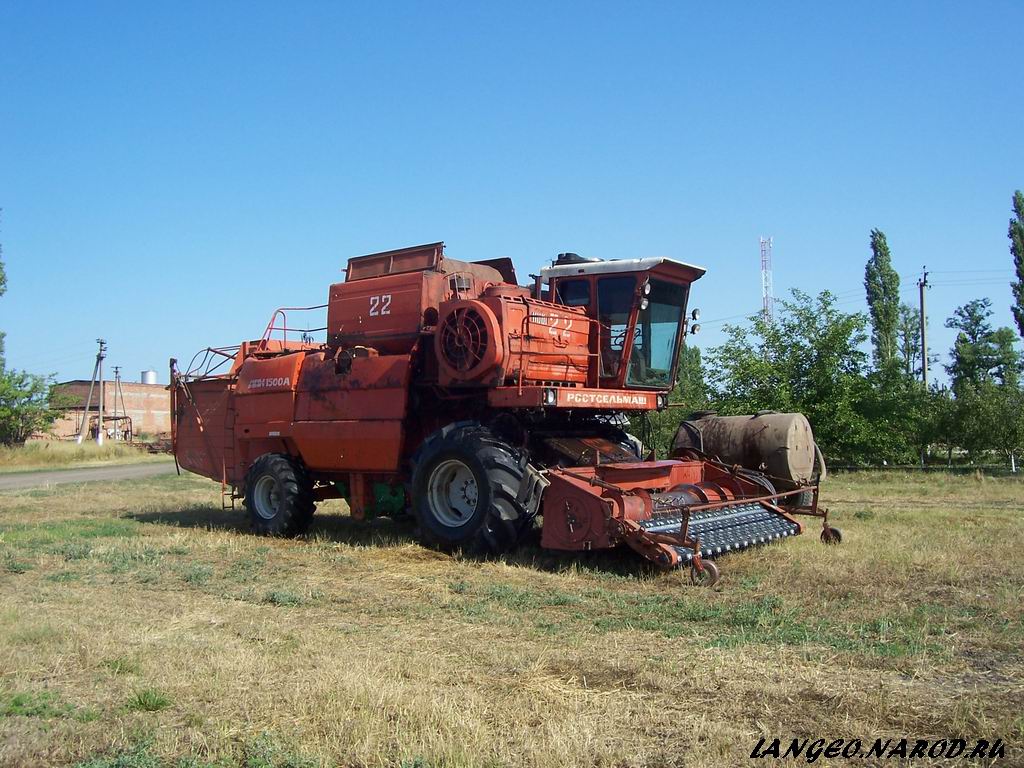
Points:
x=963 y=271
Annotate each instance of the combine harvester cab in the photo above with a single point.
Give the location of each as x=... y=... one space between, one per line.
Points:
x=445 y=389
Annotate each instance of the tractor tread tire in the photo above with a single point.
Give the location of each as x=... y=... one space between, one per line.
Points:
x=297 y=506
x=499 y=525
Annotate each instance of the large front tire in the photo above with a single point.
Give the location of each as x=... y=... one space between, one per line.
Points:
x=279 y=496
x=471 y=491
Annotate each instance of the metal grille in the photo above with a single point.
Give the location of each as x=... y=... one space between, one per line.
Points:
x=728 y=530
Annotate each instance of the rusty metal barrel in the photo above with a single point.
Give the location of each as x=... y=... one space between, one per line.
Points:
x=779 y=444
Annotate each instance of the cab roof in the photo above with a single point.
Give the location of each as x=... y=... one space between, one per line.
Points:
x=612 y=266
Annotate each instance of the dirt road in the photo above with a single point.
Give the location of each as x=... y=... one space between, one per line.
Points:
x=20 y=480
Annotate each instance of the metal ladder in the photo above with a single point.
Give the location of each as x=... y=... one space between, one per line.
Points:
x=227 y=492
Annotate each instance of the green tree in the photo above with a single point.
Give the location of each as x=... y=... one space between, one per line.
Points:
x=980 y=353
x=25 y=406
x=691 y=380
x=1016 y=236
x=691 y=393
x=990 y=417
x=882 y=285
x=908 y=336
x=809 y=360
x=944 y=422
x=3 y=290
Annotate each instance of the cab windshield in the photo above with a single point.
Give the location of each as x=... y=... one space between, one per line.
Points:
x=657 y=336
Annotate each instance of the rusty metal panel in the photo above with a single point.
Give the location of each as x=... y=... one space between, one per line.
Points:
x=266 y=389
x=546 y=342
x=371 y=388
x=413 y=259
x=383 y=312
x=201 y=426
x=275 y=374
x=344 y=446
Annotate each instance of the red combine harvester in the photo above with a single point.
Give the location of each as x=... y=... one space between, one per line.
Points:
x=446 y=388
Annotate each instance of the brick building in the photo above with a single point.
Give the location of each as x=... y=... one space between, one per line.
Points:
x=148 y=405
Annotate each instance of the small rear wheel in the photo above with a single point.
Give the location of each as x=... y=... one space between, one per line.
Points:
x=831 y=535
x=279 y=496
x=705 y=576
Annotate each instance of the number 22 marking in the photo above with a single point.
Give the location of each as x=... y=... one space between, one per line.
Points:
x=380 y=305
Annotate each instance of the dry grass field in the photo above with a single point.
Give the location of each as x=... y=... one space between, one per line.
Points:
x=59 y=454
x=140 y=626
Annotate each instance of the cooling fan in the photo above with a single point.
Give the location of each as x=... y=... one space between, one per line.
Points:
x=468 y=341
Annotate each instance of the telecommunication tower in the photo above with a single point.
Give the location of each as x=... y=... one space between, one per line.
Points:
x=767 y=291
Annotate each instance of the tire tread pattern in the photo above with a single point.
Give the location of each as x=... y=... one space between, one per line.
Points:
x=507 y=518
x=297 y=507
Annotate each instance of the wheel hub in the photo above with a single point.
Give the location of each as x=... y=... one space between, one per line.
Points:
x=453 y=493
x=266 y=497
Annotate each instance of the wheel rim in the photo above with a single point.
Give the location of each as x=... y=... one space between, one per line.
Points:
x=266 y=497
x=453 y=493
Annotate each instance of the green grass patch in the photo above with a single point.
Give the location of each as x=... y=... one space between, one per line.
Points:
x=196 y=574
x=55 y=535
x=247 y=567
x=43 y=705
x=40 y=634
x=283 y=597
x=124 y=559
x=517 y=599
x=73 y=550
x=264 y=751
x=148 y=700
x=121 y=666
x=12 y=564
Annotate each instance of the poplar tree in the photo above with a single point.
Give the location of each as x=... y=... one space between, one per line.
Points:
x=1016 y=236
x=882 y=285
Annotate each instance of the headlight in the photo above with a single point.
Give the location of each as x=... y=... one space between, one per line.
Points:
x=644 y=303
x=662 y=402
x=550 y=396
x=695 y=315
x=647 y=288
x=695 y=328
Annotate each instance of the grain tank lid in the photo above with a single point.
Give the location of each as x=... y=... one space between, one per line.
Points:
x=417 y=258
x=612 y=266
x=424 y=258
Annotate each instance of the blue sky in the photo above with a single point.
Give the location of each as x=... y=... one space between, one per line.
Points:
x=198 y=164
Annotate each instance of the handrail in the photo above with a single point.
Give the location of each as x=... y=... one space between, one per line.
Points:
x=283 y=312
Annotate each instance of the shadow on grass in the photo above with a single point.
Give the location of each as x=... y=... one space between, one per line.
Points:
x=385 y=532
x=621 y=561
x=326 y=526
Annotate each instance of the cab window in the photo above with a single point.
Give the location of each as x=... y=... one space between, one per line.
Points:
x=574 y=293
x=656 y=337
x=614 y=304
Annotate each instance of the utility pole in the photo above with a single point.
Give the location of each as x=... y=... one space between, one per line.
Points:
x=99 y=362
x=96 y=369
x=117 y=388
x=921 y=285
